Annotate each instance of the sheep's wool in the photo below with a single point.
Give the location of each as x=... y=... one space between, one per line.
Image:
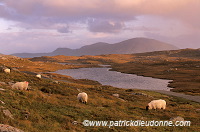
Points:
x=82 y=97
x=20 y=85
x=7 y=70
x=157 y=104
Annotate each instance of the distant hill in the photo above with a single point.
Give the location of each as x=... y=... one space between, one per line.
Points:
x=186 y=53
x=130 y=46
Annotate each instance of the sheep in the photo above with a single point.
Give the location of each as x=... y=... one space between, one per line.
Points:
x=39 y=76
x=20 y=85
x=156 y=104
x=82 y=97
x=6 y=70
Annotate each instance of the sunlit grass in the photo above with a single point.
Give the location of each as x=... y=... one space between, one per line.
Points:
x=53 y=106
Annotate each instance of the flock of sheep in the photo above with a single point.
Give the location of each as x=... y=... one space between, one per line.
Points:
x=83 y=97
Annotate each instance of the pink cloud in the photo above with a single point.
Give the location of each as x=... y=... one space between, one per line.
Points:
x=68 y=11
x=111 y=17
x=105 y=26
x=100 y=8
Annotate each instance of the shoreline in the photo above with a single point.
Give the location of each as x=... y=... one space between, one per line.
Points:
x=166 y=92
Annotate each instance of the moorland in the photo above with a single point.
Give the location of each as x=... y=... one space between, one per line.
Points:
x=50 y=103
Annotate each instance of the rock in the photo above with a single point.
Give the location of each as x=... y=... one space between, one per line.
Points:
x=56 y=82
x=122 y=100
x=11 y=83
x=142 y=94
x=2 y=107
x=78 y=90
x=8 y=128
x=3 y=83
x=1 y=89
x=178 y=118
x=3 y=58
x=139 y=94
x=74 y=122
x=115 y=95
x=8 y=113
x=2 y=102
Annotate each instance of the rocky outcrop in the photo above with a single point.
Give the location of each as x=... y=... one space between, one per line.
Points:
x=8 y=128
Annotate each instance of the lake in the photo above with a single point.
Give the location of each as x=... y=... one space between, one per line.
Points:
x=117 y=79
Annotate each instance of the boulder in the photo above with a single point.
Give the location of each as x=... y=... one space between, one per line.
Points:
x=8 y=128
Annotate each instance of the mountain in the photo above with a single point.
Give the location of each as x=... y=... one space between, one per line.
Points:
x=134 y=45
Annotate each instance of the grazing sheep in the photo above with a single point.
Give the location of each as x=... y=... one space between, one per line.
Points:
x=82 y=97
x=6 y=70
x=20 y=85
x=156 y=104
x=39 y=76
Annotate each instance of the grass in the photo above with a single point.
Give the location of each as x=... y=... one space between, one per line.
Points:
x=57 y=108
x=51 y=106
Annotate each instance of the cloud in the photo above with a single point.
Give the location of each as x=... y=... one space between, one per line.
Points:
x=105 y=26
x=29 y=41
x=40 y=23
x=9 y=13
x=76 y=10
x=188 y=40
x=64 y=29
x=142 y=28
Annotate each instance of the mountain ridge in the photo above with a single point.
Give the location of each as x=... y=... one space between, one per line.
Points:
x=130 y=46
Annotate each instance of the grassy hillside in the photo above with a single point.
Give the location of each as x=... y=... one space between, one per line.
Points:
x=52 y=106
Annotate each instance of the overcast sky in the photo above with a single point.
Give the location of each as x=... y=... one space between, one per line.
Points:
x=44 y=25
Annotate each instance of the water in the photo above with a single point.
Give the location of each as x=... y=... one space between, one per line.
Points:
x=117 y=79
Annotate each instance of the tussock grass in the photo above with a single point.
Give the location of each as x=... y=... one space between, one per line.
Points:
x=56 y=110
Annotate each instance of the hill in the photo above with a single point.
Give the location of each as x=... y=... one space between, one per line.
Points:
x=135 y=45
x=50 y=103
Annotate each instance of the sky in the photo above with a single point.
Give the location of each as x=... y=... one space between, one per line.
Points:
x=43 y=25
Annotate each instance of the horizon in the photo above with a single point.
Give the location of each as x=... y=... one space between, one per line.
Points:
x=42 y=26
x=92 y=44
x=89 y=45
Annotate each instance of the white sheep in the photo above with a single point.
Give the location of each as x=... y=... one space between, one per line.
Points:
x=6 y=70
x=39 y=76
x=20 y=85
x=82 y=97
x=156 y=104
